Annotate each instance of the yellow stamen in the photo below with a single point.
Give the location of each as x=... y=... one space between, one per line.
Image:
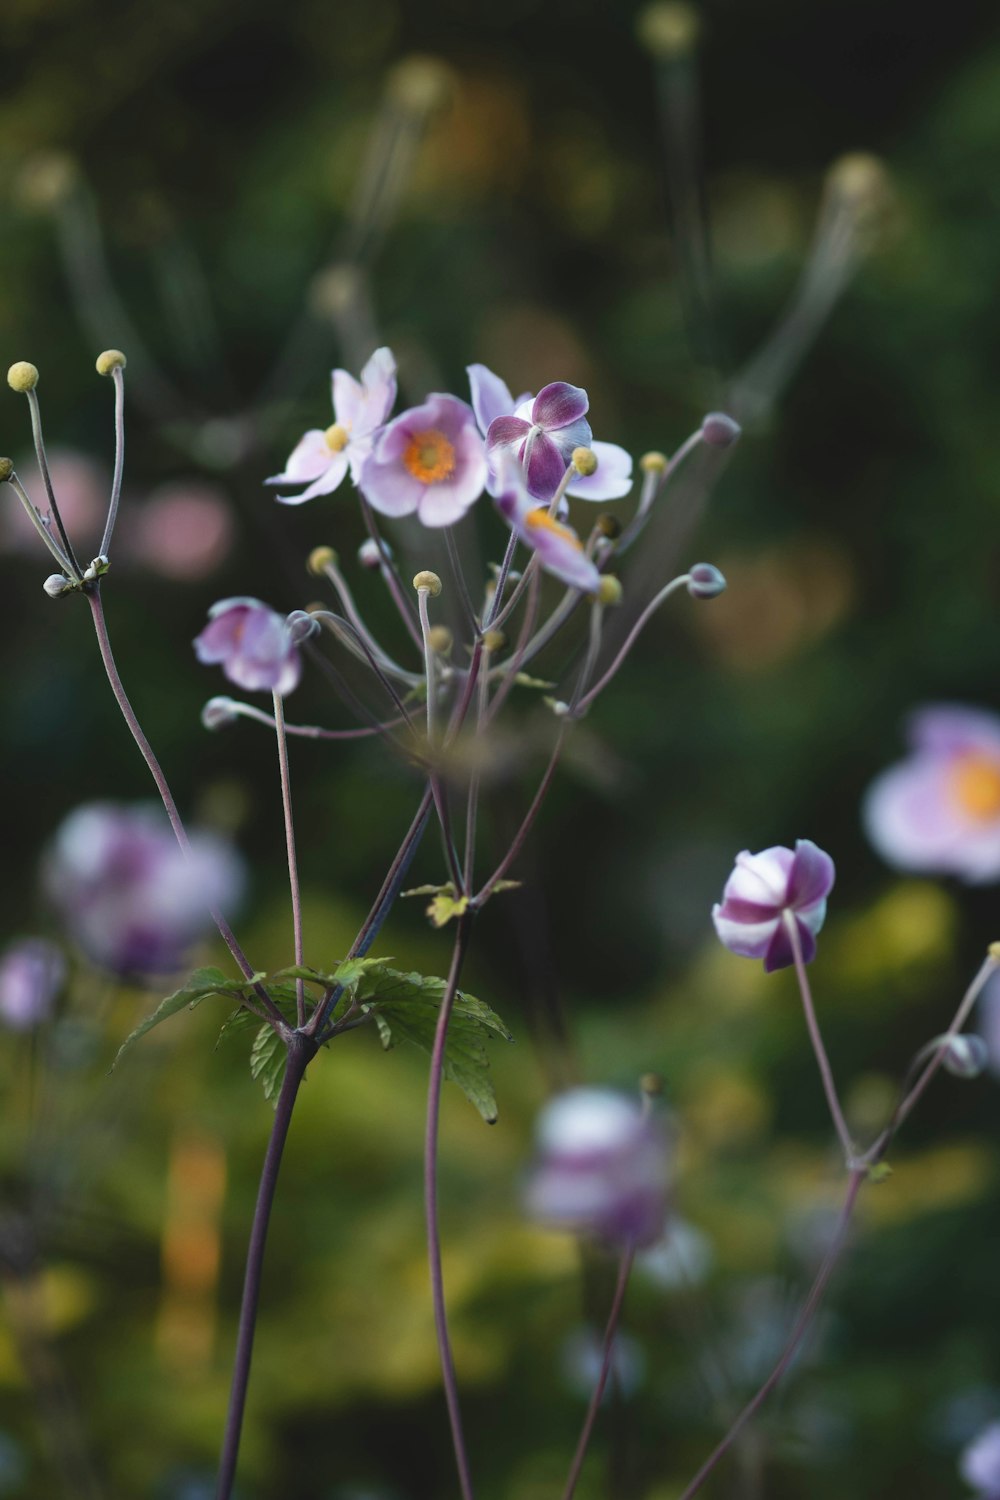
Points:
x=336 y=438
x=537 y=520
x=429 y=456
x=975 y=785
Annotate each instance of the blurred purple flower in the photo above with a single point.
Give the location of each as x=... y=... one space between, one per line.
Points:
x=558 y=547
x=601 y=1168
x=980 y=1463
x=32 y=972
x=252 y=643
x=183 y=531
x=767 y=889
x=321 y=459
x=939 y=810
x=128 y=895
x=429 y=460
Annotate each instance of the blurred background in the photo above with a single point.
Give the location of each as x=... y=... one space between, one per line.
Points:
x=644 y=202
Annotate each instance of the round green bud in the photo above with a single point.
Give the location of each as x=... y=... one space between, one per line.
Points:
x=419 y=84
x=668 y=28
x=608 y=525
x=609 y=590
x=859 y=177
x=425 y=579
x=654 y=462
x=321 y=558
x=494 y=640
x=336 y=438
x=584 y=461
x=439 y=638
x=651 y=1084
x=111 y=359
x=6 y=469
x=56 y=585
x=22 y=376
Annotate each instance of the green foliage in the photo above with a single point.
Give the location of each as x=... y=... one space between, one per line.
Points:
x=198 y=987
x=268 y=1057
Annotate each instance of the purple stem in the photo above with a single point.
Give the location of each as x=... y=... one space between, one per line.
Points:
x=484 y=894
x=624 y=1271
x=815 y=1036
x=391 y=576
x=630 y=640
x=293 y=868
x=301 y=1050
x=799 y=1330
x=431 y=1203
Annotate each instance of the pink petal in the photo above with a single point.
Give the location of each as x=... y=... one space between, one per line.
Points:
x=610 y=480
x=950 y=727
x=559 y=404
x=503 y=430
x=327 y=482
x=546 y=467
x=389 y=488
x=748 y=939
x=307 y=460
x=491 y=398
x=761 y=877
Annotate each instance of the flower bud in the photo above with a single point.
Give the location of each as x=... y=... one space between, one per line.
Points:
x=859 y=177
x=440 y=639
x=584 y=461
x=654 y=462
x=609 y=526
x=425 y=579
x=419 y=83
x=719 y=431
x=111 y=359
x=218 y=713
x=964 y=1056
x=301 y=626
x=668 y=29
x=321 y=558
x=609 y=591
x=370 y=554
x=6 y=469
x=494 y=640
x=56 y=585
x=22 y=376
x=705 y=581
x=651 y=1085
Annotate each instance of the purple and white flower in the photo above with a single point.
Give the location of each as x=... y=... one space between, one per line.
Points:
x=252 y=643
x=32 y=972
x=545 y=432
x=557 y=546
x=980 y=1463
x=130 y=898
x=321 y=460
x=429 y=461
x=601 y=1168
x=766 y=893
x=938 y=811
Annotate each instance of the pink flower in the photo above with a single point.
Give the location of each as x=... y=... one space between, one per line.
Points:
x=31 y=974
x=429 y=461
x=601 y=1168
x=768 y=890
x=556 y=424
x=557 y=546
x=253 y=644
x=359 y=409
x=183 y=531
x=939 y=810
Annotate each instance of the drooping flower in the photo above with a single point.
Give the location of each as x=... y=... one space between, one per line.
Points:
x=253 y=644
x=321 y=459
x=557 y=545
x=601 y=1168
x=545 y=432
x=130 y=898
x=430 y=460
x=938 y=811
x=768 y=890
x=31 y=974
x=980 y=1463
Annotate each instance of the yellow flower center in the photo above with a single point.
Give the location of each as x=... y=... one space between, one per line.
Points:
x=336 y=438
x=975 y=785
x=540 y=520
x=429 y=456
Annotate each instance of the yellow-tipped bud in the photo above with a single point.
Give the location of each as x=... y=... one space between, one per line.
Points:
x=47 y=178
x=429 y=581
x=494 y=640
x=22 y=377
x=609 y=590
x=111 y=359
x=668 y=28
x=419 y=83
x=651 y=1084
x=6 y=469
x=439 y=638
x=608 y=525
x=334 y=290
x=584 y=460
x=321 y=558
x=860 y=177
x=994 y=952
x=654 y=462
x=336 y=438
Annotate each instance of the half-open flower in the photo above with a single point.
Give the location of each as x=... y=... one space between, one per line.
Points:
x=253 y=645
x=322 y=458
x=939 y=810
x=557 y=546
x=430 y=461
x=768 y=891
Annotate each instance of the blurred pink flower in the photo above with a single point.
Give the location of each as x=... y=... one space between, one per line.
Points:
x=128 y=895
x=184 y=531
x=322 y=459
x=31 y=974
x=939 y=810
x=764 y=892
x=82 y=487
x=429 y=460
x=252 y=643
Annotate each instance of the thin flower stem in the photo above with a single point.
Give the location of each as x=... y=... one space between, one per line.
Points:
x=118 y=377
x=567 y=606
x=346 y=632
x=815 y=1036
x=653 y=485
x=530 y=571
x=301 y=1050
x=610 y=1332
x=43 y=464
x=799 y=1329
x=293 y=869
x=307 y=731
x=486 y=891
x=431 y=1203
x=430 y=675
x=630 y=640
x=391 y=575
x=93 y=594
x=513 y=665
x=352 y=612
x=493 y=609
x=39 y=525
x=463 y=588
x=590 y=660
x=472 y=801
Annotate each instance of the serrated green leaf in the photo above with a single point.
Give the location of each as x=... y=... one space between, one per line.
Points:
x=352 y=970
x=879 y=1171
x=201 y=984
x=242 y=1019
x=523 y=680
x=268 y=1058
x=430 y=890
x=443 y=908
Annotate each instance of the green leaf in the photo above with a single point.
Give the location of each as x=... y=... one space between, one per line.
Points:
x=201 y=984
x=443 y=908
x=879 y=1171
x=430 y=890
x=352 y=970
x=244 y=1019
x=523 y=680
x=268 y=1057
